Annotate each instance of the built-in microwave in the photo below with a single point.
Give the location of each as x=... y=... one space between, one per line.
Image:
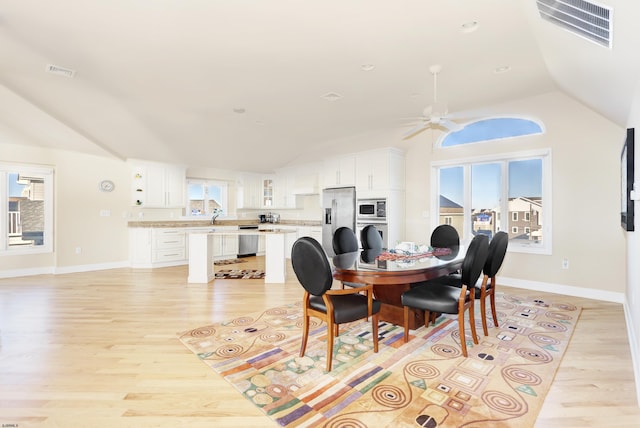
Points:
x=372 y=209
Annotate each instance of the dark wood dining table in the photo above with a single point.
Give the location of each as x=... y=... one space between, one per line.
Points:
x=391 y=278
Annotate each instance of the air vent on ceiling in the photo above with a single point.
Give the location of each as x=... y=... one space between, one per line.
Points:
x=60 y=71
x=580 y=17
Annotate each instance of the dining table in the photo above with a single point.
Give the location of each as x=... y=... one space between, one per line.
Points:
x=392 y=273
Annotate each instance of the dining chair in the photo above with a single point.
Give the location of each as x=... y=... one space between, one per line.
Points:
x=370 y=238
x=335 y=307
x=444 y=236
x=345 y=241
x=487 y=288
x=433 y=296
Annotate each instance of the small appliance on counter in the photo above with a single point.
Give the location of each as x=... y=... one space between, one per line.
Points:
x=263 y=218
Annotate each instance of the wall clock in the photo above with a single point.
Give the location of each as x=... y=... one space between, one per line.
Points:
x=107 y=185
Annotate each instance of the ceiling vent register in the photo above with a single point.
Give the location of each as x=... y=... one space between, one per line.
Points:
x=587 y=20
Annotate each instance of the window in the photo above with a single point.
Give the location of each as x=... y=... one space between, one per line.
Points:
x=474 y=193
x=206 y=197
x=448 y=220
x=26 y=224
x=491 y=129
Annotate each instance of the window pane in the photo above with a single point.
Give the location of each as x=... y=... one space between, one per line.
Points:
x=25 y=210
x=486 y=180
x=452 y=198
x=196 y=198
x=214 y=193
x=525 y=200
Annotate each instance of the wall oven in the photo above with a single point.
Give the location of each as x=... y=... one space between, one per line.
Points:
x=374 y=210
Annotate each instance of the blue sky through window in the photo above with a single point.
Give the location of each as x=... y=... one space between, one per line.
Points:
x=525 y=176
x=492 y=129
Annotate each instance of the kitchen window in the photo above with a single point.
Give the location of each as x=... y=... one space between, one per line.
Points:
x=206 y=198
x=476 y=191
x=26 y=224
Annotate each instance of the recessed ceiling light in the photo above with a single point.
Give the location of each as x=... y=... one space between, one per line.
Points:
x=469 y=27
x=502 y=69
x=239 y=110
x=367 y=67
x=331 y=96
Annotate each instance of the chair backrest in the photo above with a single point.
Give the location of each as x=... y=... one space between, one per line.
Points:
x=370 y=238
x=344 y=240
x=474 y=260
x=497 y=250
x=311 y=265
x=444 y=236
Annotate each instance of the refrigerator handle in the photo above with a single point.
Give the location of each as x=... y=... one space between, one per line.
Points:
x=327 y=216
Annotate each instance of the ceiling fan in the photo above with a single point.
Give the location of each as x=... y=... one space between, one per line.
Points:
x=434 y=115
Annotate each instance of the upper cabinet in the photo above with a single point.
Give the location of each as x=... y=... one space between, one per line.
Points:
x=339 y=172
x=250 y=191
x=378 y=171
x=156 y=185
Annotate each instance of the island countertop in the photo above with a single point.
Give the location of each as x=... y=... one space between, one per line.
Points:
x=269 y=231
x=207 y=223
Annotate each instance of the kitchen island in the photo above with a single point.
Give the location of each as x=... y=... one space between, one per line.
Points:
x=201 y=254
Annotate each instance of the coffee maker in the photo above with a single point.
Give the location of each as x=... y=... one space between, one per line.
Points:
x=263 y=218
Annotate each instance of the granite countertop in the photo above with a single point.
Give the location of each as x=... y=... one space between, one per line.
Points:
x=207 y=223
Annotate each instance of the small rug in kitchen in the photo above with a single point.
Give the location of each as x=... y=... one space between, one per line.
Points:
x=425 y=382
x=239 y=274
x=228 y=261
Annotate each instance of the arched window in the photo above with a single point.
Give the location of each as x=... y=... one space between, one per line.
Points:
x=491 y=129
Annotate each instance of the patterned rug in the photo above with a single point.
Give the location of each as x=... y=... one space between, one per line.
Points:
x=228 y=261
x=239 y=274
x=425 y=382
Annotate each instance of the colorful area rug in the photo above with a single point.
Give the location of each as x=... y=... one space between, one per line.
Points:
x=423 y=383
x=239 y=274
x=228 y=261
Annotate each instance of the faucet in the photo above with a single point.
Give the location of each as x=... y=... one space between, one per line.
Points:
x=216 y=213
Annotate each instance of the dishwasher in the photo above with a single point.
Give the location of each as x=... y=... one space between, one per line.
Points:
x=247 y=244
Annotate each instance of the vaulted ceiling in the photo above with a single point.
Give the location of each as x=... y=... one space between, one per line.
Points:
x=258 y=84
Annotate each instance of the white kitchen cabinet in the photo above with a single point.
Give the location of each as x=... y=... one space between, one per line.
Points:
x=378 y=171
x=267 y=192
x=250 y=191
x=313 y=231
x=157 y=185
x=157 y=247
x=224 y=246
x=283 y=196
x=339 y=171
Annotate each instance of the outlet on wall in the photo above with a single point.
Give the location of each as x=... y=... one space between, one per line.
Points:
x=565 y=263
x=78 y=250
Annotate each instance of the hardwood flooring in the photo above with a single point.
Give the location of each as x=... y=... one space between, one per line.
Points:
x=99 y=349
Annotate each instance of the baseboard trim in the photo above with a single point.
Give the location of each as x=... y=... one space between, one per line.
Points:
x=92 y=267
x=14 y=273
x=635 y=358
x=568 y=290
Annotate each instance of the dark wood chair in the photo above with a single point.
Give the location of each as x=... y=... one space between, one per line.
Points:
x=370 y=238
x=345 y=241
x=433 y=296
x=444 y=236
x=335 y=307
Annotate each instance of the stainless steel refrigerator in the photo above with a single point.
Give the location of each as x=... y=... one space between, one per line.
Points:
x=338 y=209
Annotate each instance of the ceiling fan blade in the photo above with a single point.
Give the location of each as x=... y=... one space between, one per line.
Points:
x=415 y=131
x=449 y=124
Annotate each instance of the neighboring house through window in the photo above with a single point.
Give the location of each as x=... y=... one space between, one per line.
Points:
x=26 y=224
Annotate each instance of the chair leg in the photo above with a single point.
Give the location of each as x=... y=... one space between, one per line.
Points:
x=472 y=320
x=330 y=329
x=492 y=296
x=374 y=330
x=483 y=312
x=406 y=324
x=305 y=335
x=463 y=339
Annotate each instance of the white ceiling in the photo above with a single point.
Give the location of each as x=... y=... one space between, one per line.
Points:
x=160 y=79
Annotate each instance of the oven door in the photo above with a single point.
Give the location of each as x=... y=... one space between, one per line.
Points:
x=382 y=229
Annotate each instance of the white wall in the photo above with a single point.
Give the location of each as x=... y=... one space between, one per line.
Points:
x=586 y=226
x=103 y=240
x=632 y=302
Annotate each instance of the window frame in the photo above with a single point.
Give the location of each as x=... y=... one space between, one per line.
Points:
x=47 y=173
x=502 y=220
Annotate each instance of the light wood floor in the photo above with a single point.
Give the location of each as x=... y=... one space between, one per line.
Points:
x=99 y=349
